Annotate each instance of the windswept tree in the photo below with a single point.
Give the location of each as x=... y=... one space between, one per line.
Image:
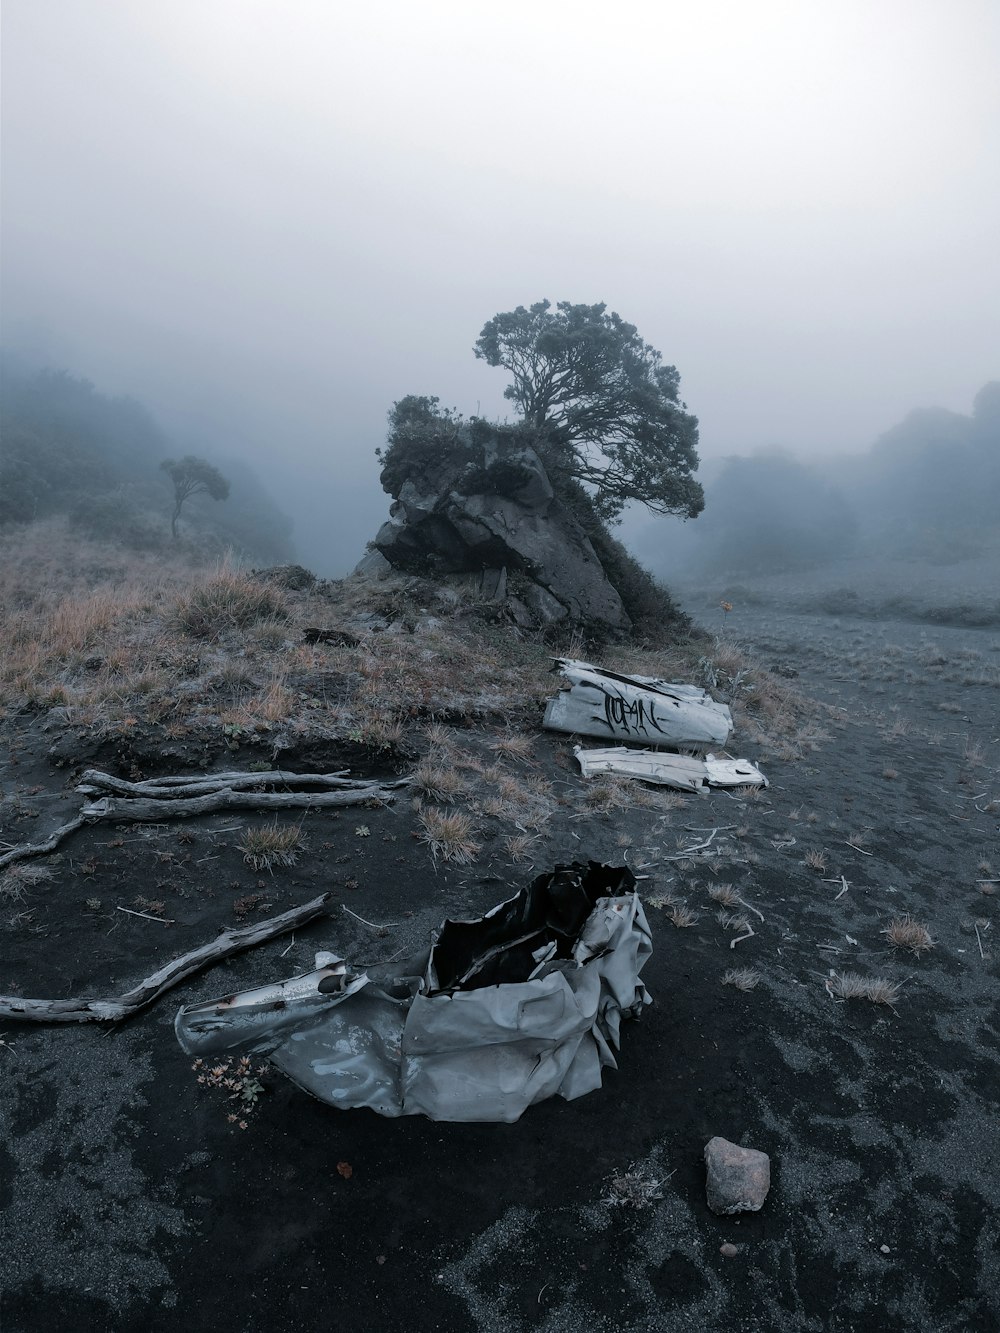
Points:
x=606 y=409
x=193 y=476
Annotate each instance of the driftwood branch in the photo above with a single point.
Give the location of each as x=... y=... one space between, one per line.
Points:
x=24 y=850
x=113 y=1009
x=170 y=788
x=183 y=797
x=152 y=808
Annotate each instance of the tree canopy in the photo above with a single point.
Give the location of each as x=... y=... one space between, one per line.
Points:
x=605 y=408
x=193 y=476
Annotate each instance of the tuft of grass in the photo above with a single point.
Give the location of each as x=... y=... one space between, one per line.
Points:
x=682 y=916
x=18 y=878
x=815 y=861
x=271 y=845
x=438 y=783
x=450 y=835
x=890 y=773
x=734 y=921
x=633 y=1189
x=512 y=745
x=725 y=895
x=903 y=932
x=519 y=845
x=854 y=986
x=230 y=600
x=743 y=978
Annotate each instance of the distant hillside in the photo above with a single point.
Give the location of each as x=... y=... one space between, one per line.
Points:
x=67 y=449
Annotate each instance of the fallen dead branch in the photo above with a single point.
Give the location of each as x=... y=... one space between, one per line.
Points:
x=113 y=1009
x=170 y=788
x=182 y=798
x=24 y=850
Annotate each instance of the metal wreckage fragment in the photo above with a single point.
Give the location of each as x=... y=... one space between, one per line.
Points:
x=521 y=1004
x=670 y=770
x=641 y=709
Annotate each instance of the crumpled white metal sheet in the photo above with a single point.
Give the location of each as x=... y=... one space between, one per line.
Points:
x=501 y=1012
x=685 y=772
x=639 y=709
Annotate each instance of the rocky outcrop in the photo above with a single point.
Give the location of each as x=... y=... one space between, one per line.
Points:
x=500 y=524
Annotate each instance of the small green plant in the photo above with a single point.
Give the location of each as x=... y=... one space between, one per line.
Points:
x=238 y=1081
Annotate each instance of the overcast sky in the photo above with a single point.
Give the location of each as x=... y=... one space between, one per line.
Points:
x=269 y=219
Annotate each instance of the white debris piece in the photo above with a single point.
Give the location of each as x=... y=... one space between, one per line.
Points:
x=670 y=770
x=637 y=708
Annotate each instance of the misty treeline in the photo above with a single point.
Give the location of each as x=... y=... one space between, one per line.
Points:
x=67 y=449
x=928 y=488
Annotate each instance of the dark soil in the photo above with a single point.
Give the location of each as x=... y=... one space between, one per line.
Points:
x=131 y=1202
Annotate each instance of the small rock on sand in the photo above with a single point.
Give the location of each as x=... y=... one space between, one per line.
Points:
x=738 y=1178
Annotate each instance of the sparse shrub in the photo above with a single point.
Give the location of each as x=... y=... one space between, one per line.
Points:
x=905 y=933
x=271 y=845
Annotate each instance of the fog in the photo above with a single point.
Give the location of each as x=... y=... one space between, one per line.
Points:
x=268 y=222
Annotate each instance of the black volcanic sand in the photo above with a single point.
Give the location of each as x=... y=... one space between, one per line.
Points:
x=130 y=1202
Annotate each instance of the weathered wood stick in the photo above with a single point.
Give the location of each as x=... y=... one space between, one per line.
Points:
x=25 y=849
x=114 y=1008
x=143 y=809
x=92 y=781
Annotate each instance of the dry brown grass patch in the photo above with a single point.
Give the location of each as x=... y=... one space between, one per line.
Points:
x=903 y=932
x=450 y=835
x=854 y=986
x=743 y=978
x=437 y=782
x=271 y=845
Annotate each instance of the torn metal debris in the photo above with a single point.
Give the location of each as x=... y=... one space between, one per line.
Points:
x=637 y=708
x=670 y=770
x=500 y=1012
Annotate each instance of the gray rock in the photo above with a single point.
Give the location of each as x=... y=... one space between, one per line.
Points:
x=738 y=1178
x=437 y=526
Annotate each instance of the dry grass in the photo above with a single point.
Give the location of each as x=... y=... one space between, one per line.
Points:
x=450 y=835
x=854 y=986
x=682 y=917
x=19 y=878
x=904 y=933
x=230 y=600
x=271 y=845
x=736 y=921
x=743 y=978
x=438 y=783
x=519 y=845
x=725 y=895
x=512 y=745
x=815 y=861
